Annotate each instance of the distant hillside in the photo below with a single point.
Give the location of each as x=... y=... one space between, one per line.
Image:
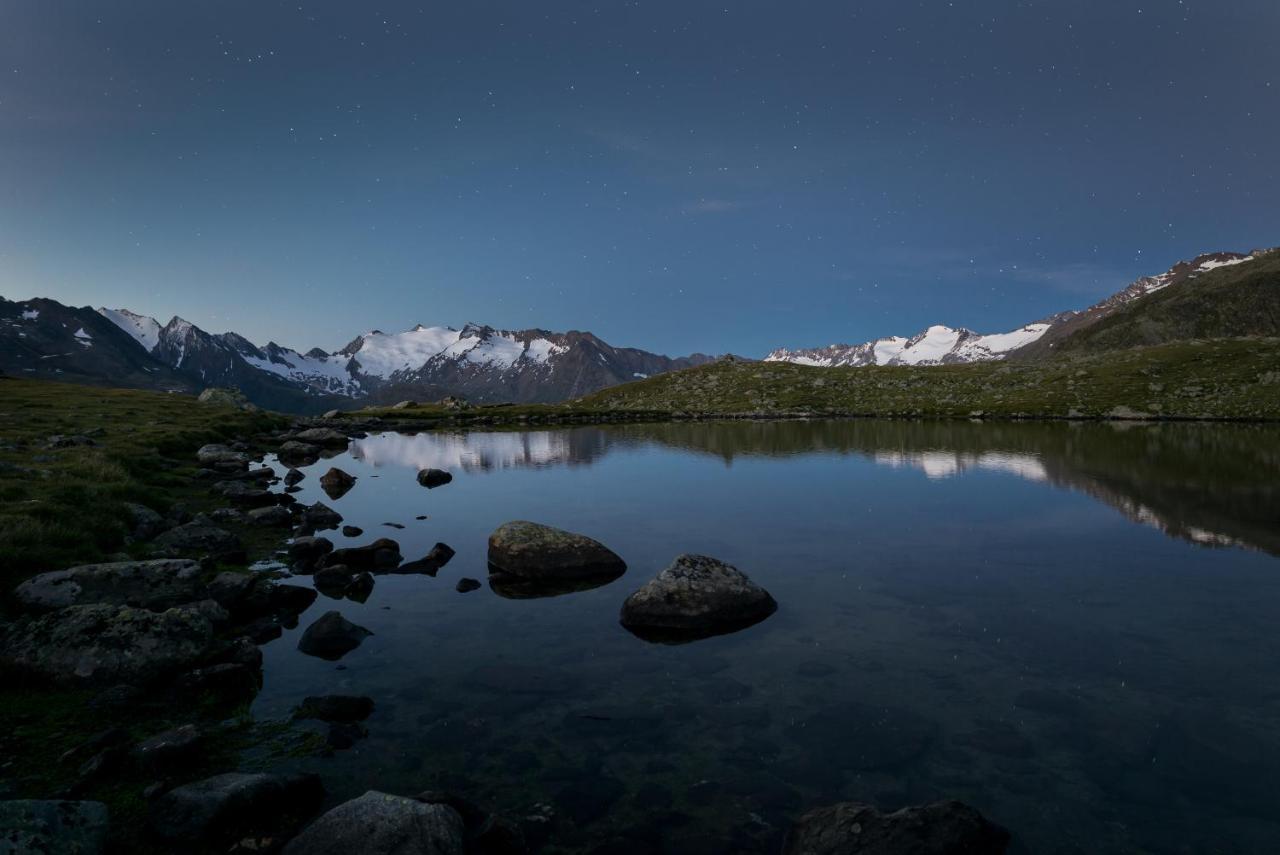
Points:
x=1227 y=378
x=1226 y=301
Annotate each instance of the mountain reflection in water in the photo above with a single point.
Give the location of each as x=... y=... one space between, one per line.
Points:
x=1211 y=484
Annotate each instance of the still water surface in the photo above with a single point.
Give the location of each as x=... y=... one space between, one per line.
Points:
x=1075 y=628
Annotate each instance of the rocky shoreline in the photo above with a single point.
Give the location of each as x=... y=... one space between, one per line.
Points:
x=186 y=622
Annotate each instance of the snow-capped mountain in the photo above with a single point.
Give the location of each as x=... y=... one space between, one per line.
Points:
x=478 y=362
x=937 y=345
x=940 y=345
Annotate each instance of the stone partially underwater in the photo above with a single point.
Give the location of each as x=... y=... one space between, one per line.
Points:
x=696 y=597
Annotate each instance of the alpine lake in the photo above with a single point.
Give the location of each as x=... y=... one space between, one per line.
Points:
x=1072 y=627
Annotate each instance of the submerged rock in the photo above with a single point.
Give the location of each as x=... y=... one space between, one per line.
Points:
x=511 y=587
x=102 y=645
x=352 y=531
x=346 y=708
x=157 y=584
x=235 y=805
x=941 y=828
x=537 y=551
x=381 y=824
x=360 y=588
x=467 y=585
x=331 y=637
x=432 y=478
x=336 y=483
x=29 y=825
x=863 y=737
x=696 y=596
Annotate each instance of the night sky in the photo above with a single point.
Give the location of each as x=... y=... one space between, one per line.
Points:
x=676 y=176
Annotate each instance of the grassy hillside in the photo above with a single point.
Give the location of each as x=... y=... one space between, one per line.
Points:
x=1235 y=379
x=1230 y=302
x=62 y=506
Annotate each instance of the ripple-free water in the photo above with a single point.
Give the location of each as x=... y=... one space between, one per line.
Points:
x=1073 y=627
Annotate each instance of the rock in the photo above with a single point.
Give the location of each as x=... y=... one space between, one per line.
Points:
x=352 y=531
x=696 y=596
x=324 y=437
x=262 y=630
x=228 y=589
x=333 y=581
x=169 y=750
x=146 y=522
x=229 y=681
x=157 y=585
x=941 y=828
x=216 y=455
x=360 y=588
x=536 y=551
x=289 y=599
x=272 y=517
x=227 y=515
x=335 y=708
x=293 y=476
x=331 y=414
x=31 y=826
x=298 y=451
x=109 y=738
x=454 y=402
x=430 y=563
x=404 y=405
x=318 y=517
x=246 y=495
x=235 y=805
x=383 y=554
x=101 y=645
x=116 y=698
x=226 y=398
x=331 y=637
x=381 y=824
x=432 y=478
x=465 y=585
x=201 y=539
x=61 y=441
x=336 y=483
x=307 y=553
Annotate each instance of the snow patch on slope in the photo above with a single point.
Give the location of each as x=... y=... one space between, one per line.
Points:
x=144 y=330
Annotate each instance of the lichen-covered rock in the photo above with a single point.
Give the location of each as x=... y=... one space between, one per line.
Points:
x=331 y=637
x=157 y=584
x=28 y=825
x=852 y=828
x=536 y=551
x=322 y=436
x=336 y=483
x=381 y=824
x=272 y=517
x=102 y=645
x=235 y=805
x=697 y=595
x=196 y=539
x=216 y=455
x=298 y=451
x=226 y=398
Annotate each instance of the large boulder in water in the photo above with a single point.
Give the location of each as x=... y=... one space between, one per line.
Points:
x=156 y=585
x=381 y=824
x=383 y=554
x=941 y=828
x=535 y=551
x=696 y=596
x=432 y=478
x=235 y=805
x=336 y=483
x=322 y=436
x=28 y=825
x=105 y=645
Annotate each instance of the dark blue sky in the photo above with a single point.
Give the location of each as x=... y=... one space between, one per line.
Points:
x=671 y=175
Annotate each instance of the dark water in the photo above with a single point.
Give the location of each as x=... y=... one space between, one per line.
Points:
x=1075 y=628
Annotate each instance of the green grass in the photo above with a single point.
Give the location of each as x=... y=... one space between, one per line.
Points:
x=65 y=506
x=1224 y=379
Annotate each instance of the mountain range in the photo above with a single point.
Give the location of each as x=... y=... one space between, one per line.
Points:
x=118 y=347
x=944 y=345
x=1216 y=295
